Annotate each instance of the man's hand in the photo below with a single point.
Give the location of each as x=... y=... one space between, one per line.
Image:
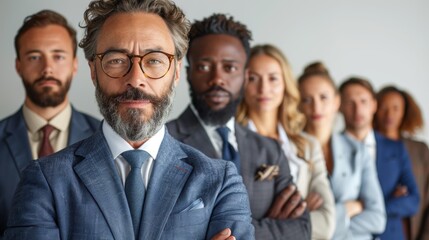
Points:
x=353 y=208
x=314 y=201
x=224 y=235
x=400 y=191
x=288 y=204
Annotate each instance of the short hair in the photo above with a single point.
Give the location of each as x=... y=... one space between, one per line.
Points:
x=221 y=24
x=42 y=19
x=412 y=121
x=100 y=10
x=357 y=81
x=317 y=68
x=290 y=118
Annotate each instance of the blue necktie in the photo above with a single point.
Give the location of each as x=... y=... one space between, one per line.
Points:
x=228 y=151
x=134 y=186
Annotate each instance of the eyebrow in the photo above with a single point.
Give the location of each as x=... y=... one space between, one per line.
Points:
x=38 y=51
x=124 y=50
x=209 y=59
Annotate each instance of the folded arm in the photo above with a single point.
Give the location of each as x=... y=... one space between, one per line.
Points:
x=407 y=205
x=32 y=215
x=232 y=208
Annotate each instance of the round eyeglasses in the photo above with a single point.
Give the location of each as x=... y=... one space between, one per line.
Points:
x=117 y=64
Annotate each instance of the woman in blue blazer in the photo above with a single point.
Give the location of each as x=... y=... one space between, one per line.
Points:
x=360 y=210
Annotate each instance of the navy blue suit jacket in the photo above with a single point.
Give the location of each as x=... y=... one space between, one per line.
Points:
x=394 y=168
x=15 y=153
x=77 y=194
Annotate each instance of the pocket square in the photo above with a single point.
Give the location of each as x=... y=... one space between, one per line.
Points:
x=197 y=204
x=266 y=172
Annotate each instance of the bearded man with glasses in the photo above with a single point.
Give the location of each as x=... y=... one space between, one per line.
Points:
x=131 y=179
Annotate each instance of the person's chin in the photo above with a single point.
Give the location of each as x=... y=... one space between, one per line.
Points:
x=217 y=106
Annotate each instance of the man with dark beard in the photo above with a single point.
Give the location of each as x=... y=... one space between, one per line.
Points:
x=131 y=179
x=217 y=57
x=46 y=62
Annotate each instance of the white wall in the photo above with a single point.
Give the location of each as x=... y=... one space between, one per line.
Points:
x=386 y=41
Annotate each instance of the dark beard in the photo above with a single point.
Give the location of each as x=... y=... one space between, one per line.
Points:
x=132 y=126
x=45 y=97
x=214 y=117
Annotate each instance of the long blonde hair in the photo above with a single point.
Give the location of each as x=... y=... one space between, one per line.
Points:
x=291 y=119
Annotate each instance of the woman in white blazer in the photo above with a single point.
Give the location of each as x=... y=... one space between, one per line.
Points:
x=269 y=107
x=359 y=203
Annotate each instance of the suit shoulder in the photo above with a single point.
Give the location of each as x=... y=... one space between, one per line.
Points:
x=93 y=122
x=199 y=160
x=254 y=136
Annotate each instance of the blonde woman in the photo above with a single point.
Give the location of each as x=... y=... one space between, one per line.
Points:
x=270 y=107
x=359 y=204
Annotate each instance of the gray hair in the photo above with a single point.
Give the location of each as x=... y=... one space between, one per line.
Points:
x=100 y=10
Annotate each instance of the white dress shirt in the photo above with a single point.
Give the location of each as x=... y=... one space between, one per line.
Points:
x=59 y=136
x=214 y=136
x=371 y=144
x=118 y=145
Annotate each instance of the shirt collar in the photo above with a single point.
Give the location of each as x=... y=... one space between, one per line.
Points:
x=35 y=122
x=118 y=145
x=369 y=140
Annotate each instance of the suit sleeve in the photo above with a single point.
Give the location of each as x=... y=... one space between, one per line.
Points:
x=407 y=205
x=373 y=217
x=232 y=207
x=32 y=215
x=424 y=153
x=298 y=228
x=322 y=219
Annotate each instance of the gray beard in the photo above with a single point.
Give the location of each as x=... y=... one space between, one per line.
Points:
x=131 y=126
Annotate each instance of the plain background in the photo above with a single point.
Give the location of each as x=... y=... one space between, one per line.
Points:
x=385 y=41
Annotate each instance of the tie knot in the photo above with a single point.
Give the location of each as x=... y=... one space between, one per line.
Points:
x=135 y=158
x=223 y=132
x=47 y=130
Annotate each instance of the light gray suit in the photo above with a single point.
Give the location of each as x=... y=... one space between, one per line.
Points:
x=354 y=177
x=254 y=150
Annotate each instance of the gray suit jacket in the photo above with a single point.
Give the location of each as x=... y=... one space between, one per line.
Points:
x=77 y=194
x=15 y=153
x=254 y=151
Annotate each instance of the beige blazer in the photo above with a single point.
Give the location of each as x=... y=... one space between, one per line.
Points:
x=313 y=177
x=419 y=155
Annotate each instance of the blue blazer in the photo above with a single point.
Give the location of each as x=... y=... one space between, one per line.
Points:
x=77 y=194
x=394 y=168
x=15 y=153
x=354 y=177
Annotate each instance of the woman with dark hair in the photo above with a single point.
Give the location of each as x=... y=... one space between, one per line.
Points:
x=399 y=117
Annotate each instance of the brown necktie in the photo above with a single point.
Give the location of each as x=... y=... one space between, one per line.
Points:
x=45 y=146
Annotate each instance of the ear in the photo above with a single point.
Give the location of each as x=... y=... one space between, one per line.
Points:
x=178 y=70
x=246 y=77
x=93 y=71
x=18 y=66
x=75 y=65
x=375 y=105
x=337 y=102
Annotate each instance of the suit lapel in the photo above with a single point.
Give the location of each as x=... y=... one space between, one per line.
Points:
x=194 y=134
x=245 y=150
x=168 y=177
x=17 y=141
x=98 y=173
